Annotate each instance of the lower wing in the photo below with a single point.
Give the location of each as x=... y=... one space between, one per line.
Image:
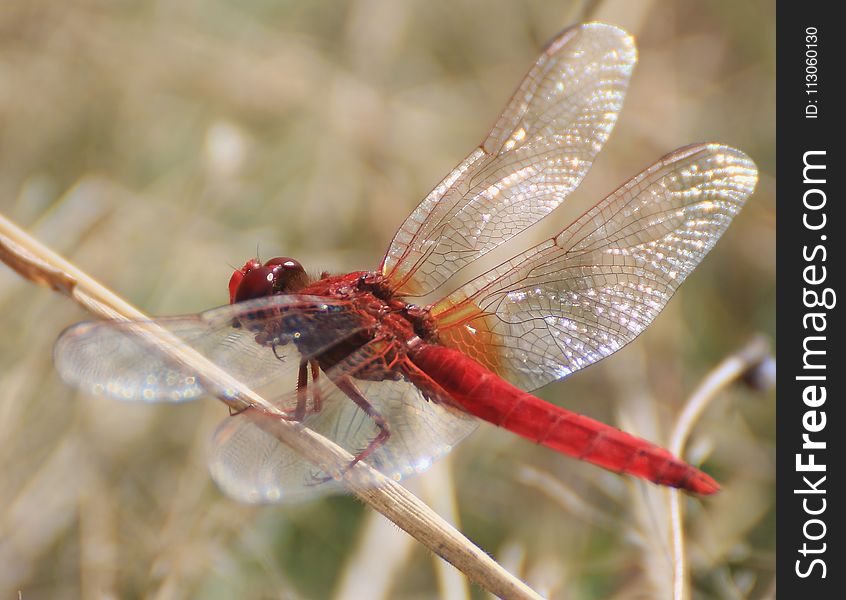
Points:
x=251 y=465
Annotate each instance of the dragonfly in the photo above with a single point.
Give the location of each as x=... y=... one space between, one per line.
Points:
x=399 y=384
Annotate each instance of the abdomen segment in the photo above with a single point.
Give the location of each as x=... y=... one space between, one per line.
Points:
x=481 y=393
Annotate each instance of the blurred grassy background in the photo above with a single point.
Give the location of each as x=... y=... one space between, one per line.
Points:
x=158 y=144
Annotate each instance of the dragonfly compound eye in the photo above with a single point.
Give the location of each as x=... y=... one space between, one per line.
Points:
x=288 y=275
x=238 y=277
x=254 y=283
x=277 y=276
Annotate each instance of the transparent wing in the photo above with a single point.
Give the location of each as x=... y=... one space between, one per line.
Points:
x=584 y=294
x=114 y=359
x=250 y=465
x=539 y=150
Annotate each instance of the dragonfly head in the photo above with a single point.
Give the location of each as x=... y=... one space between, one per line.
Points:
x=281 y=275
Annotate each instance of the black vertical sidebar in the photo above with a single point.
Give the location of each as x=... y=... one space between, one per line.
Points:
x=811 y=429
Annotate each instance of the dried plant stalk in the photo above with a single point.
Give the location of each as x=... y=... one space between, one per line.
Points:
x=731 y=369
x=34 y=261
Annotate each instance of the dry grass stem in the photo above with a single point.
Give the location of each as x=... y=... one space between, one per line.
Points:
x=731 y=369
x=438 y=490
x=376 y=564
x=39 y=264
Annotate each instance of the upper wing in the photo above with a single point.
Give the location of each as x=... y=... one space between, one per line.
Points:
x=116 y=359
x=539 y=150
x=593 y=288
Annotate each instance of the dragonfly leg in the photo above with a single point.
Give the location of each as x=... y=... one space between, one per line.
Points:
x=234 y=412
x=346 y=385
x=316 y=399
x=302 y=392
x=301 y=409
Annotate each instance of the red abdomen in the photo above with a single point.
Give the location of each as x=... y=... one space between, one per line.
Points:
x=485 y=395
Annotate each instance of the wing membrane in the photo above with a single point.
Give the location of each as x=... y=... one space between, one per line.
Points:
x=539 y=150
x=249 y=464
x=584 y=294
x=111 y=358
x=247 y=461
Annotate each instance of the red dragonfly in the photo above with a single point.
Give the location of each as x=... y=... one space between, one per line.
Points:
x=397 y=384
